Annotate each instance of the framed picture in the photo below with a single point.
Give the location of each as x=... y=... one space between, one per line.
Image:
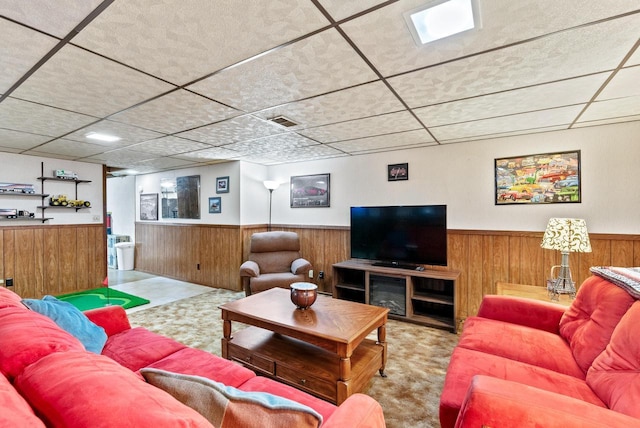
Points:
x=544 y=178
x=222 y=185
x=215 y=205
x=310 y=191
x=398 y=172
x=149 y=206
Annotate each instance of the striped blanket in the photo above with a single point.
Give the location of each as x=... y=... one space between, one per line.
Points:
x=627 y=278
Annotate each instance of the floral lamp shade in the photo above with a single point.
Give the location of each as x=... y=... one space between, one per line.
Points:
x=566 y=235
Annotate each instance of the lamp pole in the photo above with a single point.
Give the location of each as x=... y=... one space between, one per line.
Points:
x=271 y=186
x=270 y=196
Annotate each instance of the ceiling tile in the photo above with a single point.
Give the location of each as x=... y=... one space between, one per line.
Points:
x=168 y=146
x=606 y=121
x=273 y=144
x=163 y=163
x=318 y=64
x=353 y=103
x=625 y=83
x=182 y=41
x=577 y=52
x=39 y=119
x=20 y=140
x=123 y=158
x=383 y=35
x=233 y=130
x=385 y=142
x=619 y=107
x=524 y=121
x=212 y=153
x=340 y=9
x=359 y=128
x=558 y=94
x=129 y=134
x=20 y=49
x=67 y=148
x=57 y=17
x=76 y=80
x=174 y=112
x=507 y=134
x=318 y=151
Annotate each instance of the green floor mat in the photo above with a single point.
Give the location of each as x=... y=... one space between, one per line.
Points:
x=100 y=297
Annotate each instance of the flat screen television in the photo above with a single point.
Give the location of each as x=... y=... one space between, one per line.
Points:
x=400 y=236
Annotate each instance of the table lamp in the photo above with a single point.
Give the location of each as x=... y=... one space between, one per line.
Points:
x=567 y=235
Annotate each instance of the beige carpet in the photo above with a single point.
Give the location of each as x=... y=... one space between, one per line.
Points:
x=418 y=356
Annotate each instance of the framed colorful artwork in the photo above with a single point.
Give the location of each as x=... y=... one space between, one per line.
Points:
x=544 y=178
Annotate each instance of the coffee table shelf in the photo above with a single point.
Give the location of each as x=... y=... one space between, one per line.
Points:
x=300 y=364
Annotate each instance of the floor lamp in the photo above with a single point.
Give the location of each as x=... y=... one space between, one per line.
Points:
x=567 y=235
x=271 y=186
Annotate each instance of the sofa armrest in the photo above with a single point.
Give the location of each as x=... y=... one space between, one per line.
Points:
x=249 y=269
x=299 y=266
x=519 y=310
x=498 y=403
x=112 y=318
x=357 y=411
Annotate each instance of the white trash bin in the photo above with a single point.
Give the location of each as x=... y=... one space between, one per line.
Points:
x=124 y=254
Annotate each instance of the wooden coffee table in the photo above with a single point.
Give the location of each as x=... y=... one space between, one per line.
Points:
x=322 y=350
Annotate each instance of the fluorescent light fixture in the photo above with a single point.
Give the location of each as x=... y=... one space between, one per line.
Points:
x=441 y=19
x=102 y=137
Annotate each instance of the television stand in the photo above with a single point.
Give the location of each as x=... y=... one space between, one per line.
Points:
x=424 y=297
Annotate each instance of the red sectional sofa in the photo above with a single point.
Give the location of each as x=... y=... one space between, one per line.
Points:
x=49 y=379
x=522 y=362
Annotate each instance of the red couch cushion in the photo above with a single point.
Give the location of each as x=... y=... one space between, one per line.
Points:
x=615 y=374
x=81 y=389
x=15 y=410
x=466 y=363
x=590 y=320
x=138 y=347
x=9 y=299
x=26 y=336
x=263 y=384
x=191 y=361
x=516 y=342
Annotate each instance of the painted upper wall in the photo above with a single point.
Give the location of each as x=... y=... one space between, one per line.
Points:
x=26 y=170
x=462 y=177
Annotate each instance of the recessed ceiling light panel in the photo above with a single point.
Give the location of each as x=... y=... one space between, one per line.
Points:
x=102 y=137
x=440 y=19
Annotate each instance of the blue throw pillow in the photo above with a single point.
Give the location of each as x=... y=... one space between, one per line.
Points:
x=72 y=320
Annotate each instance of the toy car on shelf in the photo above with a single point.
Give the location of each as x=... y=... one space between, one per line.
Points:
x=58 y=201
x=65 y=174
x=78 y=203
x=16 y=188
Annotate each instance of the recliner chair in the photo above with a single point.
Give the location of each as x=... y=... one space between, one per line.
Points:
x=274 y=261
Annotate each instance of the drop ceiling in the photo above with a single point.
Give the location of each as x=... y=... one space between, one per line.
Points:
x=188 y=83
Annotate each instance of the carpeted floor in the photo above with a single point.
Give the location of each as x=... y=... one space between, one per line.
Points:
x=417 y=361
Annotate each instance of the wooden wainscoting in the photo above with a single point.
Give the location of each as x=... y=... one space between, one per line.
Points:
x=53 y=259
x=203 y=254
x=482 y=257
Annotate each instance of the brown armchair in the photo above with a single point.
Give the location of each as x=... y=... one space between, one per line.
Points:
x=274 y=261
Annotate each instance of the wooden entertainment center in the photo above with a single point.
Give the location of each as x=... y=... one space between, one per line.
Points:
x=421 y=296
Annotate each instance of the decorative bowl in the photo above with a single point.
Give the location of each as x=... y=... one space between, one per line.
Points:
x=303 y=294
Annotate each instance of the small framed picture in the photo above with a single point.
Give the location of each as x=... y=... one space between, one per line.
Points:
x=398 y=172
x=149 y=206
x=215 y=205
x=310 y=191
x=222 y=185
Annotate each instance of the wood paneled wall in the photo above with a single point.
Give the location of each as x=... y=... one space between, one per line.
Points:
x=53 y=259
x=199 y=253
x=482 y=257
